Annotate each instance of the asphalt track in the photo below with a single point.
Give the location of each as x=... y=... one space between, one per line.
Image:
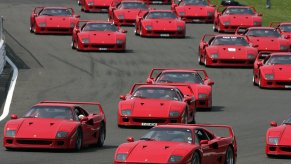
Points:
x=51 y=70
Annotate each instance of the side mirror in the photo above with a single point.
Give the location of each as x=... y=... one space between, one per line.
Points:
x=260 y=14
x=273 y=124
x=203 y=142
x=255 y=45
x=149 y=81
x=13 y=116
x=34 y=14
x=287 y=36
x=123 y=31
x=210 y=82
x=130 y=139
x=187 y=98
x=77 y=16
x=84 y=119
x=77 y=30
x=205 y=44
x=122 y=97
x=259 y=64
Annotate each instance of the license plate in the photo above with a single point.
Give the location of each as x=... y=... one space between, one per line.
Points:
x=196 y=20
x=157 y=2
x=102 y=49
x=165 y=35
x=148 y=124
x=287 y=86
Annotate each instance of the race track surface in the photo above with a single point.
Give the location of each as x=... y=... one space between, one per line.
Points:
x=51 y=70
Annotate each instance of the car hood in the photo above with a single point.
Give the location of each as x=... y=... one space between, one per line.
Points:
x=267 y=43
x=99 y=37
x=286 y=136
x=157 y=151
x=229 y=51
x=195 y=10
x=282 y=72
x=162 y=24
x=43 y=127
x=100 y=2
x=55 y=21
x=247 y=20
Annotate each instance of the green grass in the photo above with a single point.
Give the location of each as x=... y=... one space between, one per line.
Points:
x=280 y=10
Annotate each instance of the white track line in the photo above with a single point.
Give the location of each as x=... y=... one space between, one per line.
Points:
x=11 y=89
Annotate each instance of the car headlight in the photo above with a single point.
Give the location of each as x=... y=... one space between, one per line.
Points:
x=42 y=24
x=202 y=96
x=226 y=23
x=10 y=133
x=118 y=41
x=273 y=140
x=175 y=159
x=257 y=23
x=72 y=25
x=85 y=40
x=210 y=14
x=269 y=76
x=121 y=157
x=62 y=134
x=174 y=114
x=148 y=27
x=126 y=112
x=90 y=3
x=214 y=56
x=251 y=56
x=283 y=47
x=179 y=28
x=120 y=16
x=181 y=13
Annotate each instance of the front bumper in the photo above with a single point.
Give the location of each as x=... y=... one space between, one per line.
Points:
x=278 y=149
x=145 y=121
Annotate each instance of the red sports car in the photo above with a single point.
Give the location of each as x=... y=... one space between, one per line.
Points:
x=125 y=12
x=197 y=79
x=284 y=27
x=194 y=10
x=93 y=35
x=160 y=23
x=94 y=5
x=266 y=38
x=181 y=144
x=53 y=20
x=226 y=50
x=228 y=19
x=273 y=70
x=149 y=105
x=57 y=125
x=278 y=139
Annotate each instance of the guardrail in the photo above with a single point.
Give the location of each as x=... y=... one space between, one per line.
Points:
x=2 y=47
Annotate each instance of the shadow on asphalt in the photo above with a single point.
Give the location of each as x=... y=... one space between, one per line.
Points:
x=214 y=109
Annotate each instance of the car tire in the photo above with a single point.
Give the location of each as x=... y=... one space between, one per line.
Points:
x=193 y=119
x=199 y=58
x=254 y=81
x=140 y=31
x=218 y=28
x=260 y=82
x=72 y=44
x=229 y=156
x=196 y=158
x=186 y=117
x=205 y=61
x=79 y=3
x=79 y=140
x=102 y=134
x=30 y=29
x=214 y=28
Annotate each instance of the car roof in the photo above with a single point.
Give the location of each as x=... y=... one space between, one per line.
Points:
x=261 y=28
x=285 y=23
x=280 y=53
x=178 y=70
x=156 y=86
x=241 y=7
x=161 y=11
x=56 y=7
x=184 y=126
x=99 y=21
x=56 y=104
x=229 y=35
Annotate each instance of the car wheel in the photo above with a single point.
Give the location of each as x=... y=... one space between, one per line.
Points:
x=72 y=44
x=186 y=117
x=254 y=81
x=79 y=140
x=31 y=29
x=140 y=31
x=229 y=156
x=79 y=3
x=199 y=58
x=260 y=82
x=214 y=28
x=101 y=137
x=193 y=119
x=196 y=158
x=205 y=61
x=218 y=28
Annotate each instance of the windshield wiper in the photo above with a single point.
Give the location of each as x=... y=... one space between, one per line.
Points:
x=147 y=139
x=166 y=81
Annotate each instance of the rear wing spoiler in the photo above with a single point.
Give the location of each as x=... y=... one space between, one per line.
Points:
x=263 y=55
x=85 y=21
x=207 y=37
x=227 y=127
x=74 y=103
x=38 y=9
x=275 y=24
x=241 y=30
x=205 y=75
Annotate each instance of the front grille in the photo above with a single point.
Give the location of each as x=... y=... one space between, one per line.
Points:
x=165 y=32
x=287 y=149
x=233 y=61
x=283 y=83
x=102 y=45
x=149 y=120
x=34 y=142
x=58 y=29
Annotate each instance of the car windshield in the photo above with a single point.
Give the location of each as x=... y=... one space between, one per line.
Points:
x=161 y=15
x=132 y=5
x=243 y=11
x=56 y=12
x=179 y=77
x=230 y=40
x=286 y=28
x=288 y=121
x=156 y=93
x=263 y=33
x=50 y=112
x=196 y=2
x=169 y=134
x=100 y=27
x=279 y=59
